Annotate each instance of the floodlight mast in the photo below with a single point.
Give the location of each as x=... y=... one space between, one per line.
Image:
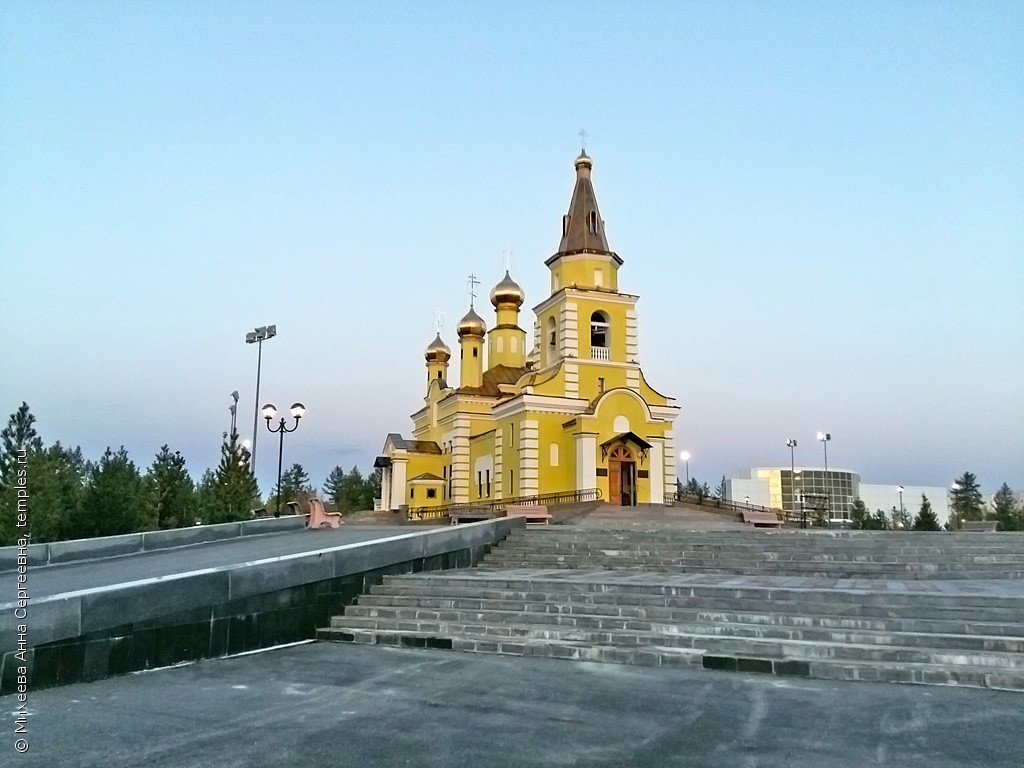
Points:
x=258 y=336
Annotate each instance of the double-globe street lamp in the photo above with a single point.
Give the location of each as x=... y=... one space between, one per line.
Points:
x=903 y=521
x=269 y=412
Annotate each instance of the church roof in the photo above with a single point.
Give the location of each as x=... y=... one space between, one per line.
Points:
x=583 y=228
x=417 y=446
x=499 y=374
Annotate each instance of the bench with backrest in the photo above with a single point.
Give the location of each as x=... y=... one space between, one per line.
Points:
x=762 y=519
x=319 y=517
x=535 y=514
x=470 y=514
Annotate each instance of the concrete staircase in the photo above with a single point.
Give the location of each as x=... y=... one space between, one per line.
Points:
x=915 y=608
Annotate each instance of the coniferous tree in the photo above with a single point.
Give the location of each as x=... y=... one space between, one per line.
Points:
x=170 y=492
x=295 y=486
x=19 y=435
x=1006 y=510
x=721 y=489
x=926 y=519
x=229 y=493
x=334 y=486
x=112 y=501
x=966 y=501
x=859 y=515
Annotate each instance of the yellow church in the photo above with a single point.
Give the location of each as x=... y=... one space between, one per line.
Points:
x=572 y=414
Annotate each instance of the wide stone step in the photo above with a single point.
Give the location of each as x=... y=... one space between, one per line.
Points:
x=979 y=556
x=475 y=582
x=598 y=560
x=711 y=624
x=694 y=540
x=647 y=656
x=826 y=604
x=916 y=570
x=816 y=616
x=825 y=669
x=769 y=648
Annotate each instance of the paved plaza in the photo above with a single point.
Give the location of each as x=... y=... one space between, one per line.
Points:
x=319 y=705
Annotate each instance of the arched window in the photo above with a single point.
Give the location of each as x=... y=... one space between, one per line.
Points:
x=600 y=336
x=552 y=336
x=592 y=222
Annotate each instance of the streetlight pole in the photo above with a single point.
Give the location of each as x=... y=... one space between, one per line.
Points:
x=792 y=473
x=685 y=456
x=899 y=490
x=269 y=411
x=824 y=438
x=258 y=336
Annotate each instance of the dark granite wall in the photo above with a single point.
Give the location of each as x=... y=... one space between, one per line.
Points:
x=259 y=621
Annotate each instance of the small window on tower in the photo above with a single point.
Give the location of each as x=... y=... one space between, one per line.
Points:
x=474 y=351
x=565 y=224
x=598 y=278
x=592 y=222
x=431 y=493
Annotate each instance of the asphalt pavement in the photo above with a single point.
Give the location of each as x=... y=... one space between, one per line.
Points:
x=319 y=705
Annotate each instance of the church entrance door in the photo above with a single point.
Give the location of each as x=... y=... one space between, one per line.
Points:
x=621 y=477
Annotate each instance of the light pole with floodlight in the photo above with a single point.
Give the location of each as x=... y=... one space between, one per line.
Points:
x=269 y=412
x=899 y=490
x=791 y=442
x=824 y=438
x=258 y=336
x=685 y=457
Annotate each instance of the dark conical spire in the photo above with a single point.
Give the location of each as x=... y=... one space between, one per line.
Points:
x=582 y=227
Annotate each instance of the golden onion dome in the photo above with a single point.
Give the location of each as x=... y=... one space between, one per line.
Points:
x=472 y=325
x=438 y=351
x=507 y=292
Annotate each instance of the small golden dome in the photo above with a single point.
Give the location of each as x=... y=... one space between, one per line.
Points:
x=472 y=325
x=438 y=351
x=507 y=292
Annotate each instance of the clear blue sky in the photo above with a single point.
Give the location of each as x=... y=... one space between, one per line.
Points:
x=820 y=204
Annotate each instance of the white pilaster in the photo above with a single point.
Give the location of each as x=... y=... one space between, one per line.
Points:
x=529 y=459
x=498 y=443
x=656 y=458
x=586 y=461
x=460 y=460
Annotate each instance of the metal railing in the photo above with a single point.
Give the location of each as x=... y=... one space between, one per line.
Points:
x=725 y=504
x=418 y=514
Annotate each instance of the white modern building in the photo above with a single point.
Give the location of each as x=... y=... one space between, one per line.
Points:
x=830 y=493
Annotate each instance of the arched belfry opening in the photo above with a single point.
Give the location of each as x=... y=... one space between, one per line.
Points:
x=600 y=336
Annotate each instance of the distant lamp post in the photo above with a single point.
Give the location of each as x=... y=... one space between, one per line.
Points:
x=258 y=336
x=269 y=410
x=791 y=443
x=954 y=490
x=824 y=438
x=233 y=408
x=746 y=500
x=899 y=490
x=684 y=456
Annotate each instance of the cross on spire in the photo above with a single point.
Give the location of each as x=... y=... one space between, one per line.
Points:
x=438 y=321
x=473 y=283
x=506 y=259
x=583 y=140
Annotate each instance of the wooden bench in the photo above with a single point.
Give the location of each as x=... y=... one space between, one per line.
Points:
x=535 y=514
x=762 y=519
x=470 y=514
x=319 y=517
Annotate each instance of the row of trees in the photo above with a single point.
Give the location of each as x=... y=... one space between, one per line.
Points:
x=71 y=497
x=966 y=503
